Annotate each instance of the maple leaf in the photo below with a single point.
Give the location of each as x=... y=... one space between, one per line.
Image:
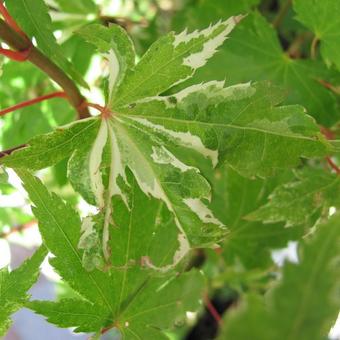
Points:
x=296 y=201
x=129 y=296
x=77 y=7
x=35 y=20
x=14 y=286
x=292 y=310
x=234 y=198
x=241 y=125
x=321 y=17
x=254 y=52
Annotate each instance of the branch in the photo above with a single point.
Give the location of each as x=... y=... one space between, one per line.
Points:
x=329 y=86
x=126 y=23
x=33 y=101
x=282 y=13
x=333 y=165
x=18 y=229
x=294 y=50
x=19 y=43
x=330 y=135
x=9 y=151
x=313 y=47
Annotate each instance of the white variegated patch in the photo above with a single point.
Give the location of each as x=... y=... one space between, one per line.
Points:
x=95 y=160
x=217 y=85
x=87 y=228
x=185 y=37
x=114 y=71
x=182 y=138
x=183 y=249
x=211 y=89
x=202 y=211
x=117 y=168
x=161 y=155
x=199 y=59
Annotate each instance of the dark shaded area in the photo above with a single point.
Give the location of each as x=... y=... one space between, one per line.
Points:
x=206 y=327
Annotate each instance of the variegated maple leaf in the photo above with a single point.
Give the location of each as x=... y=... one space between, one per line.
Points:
x=146 y=132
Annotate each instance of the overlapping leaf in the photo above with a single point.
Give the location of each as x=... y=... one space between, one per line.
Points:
x=14 y=286
x=254 y=52
x=304 y=305
x=205 y=11
x=242 y=124
x=295 y=202
x=248 y=243
x=171 y=60
x=128 y=296
x=322 y=17
x=77 y=7
x=34 y=19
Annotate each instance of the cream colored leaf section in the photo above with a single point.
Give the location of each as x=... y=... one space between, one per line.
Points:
x=202 y=211
x=185 y=37
x=161 y=155
x=114 y=71
x=95 y=160
x=199 y=59
x=182 y=138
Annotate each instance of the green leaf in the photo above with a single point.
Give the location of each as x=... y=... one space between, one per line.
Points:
x=171 y=60
x=59 y=226
x=241 y=125
x=295 y=202
x=14 y=286
x=128 y=296
x=204 y=12
x=34 y=19
x=86 y=316
x=142 y=138
x=3 y=176
x=255 y=43
x=116 y=46
x=322 y=18
x=305 y=303
x=49 y=149
x=77 y=7
x=249 y=243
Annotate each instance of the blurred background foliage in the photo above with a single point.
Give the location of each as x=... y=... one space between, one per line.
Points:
x=268 y=44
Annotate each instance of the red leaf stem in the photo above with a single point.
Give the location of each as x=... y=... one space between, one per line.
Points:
x=33 y=101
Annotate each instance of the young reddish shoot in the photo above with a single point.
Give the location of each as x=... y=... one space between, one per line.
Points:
x=15 y=55
x=7 y=152
x=333 y=165
x=330 y=135
x=10 y=21
x=212 y=310
x=33 y=101
x=18 y=229
x=105 y=112
x=19 y=56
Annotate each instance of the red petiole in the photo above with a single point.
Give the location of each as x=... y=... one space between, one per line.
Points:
x=14 y=55
x=10 y=21
x=333 y=165
x=330 y=135
x=33 y=101
x=212 y=310
x=59 y=94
